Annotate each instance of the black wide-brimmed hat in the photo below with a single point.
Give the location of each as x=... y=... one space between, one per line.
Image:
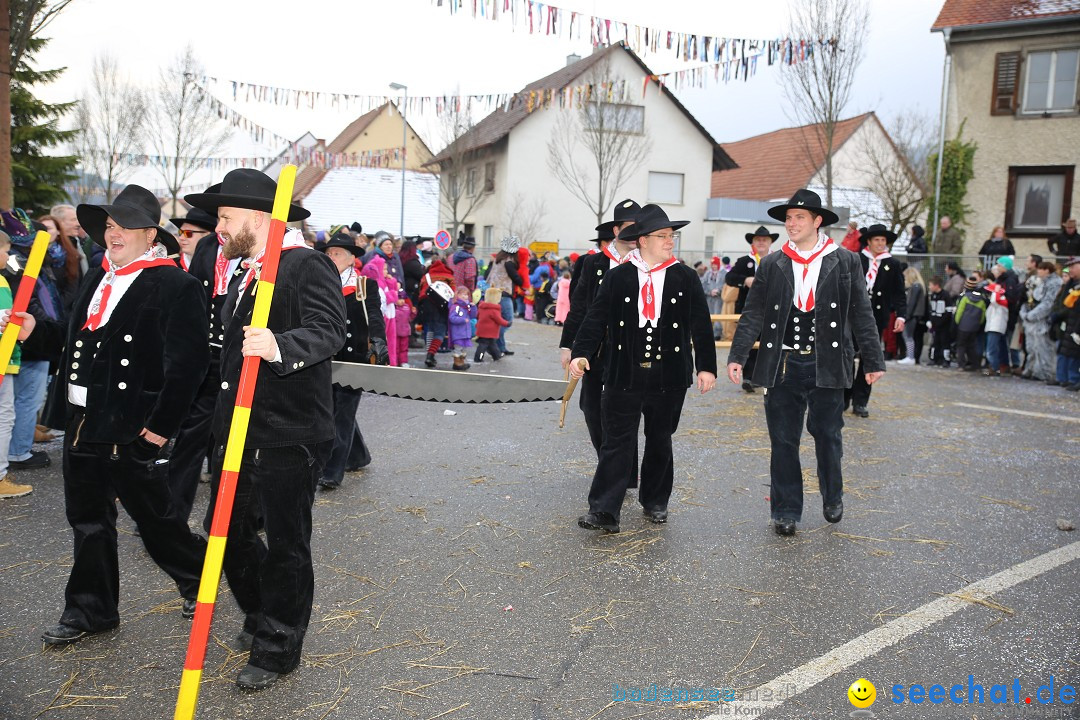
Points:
x=357 y=228
x=625 y=212
x=197 y=216
x=650 y=219
x=874 y=231
x=134 y=208
x=804 y=199
x=762 y=231
x=244 y=188
x=341 y=240
x=604 y=234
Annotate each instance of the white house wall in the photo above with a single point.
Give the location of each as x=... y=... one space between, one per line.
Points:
x=677 y=147
x=372 y=196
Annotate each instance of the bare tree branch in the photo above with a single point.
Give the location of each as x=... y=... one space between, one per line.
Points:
x=894 y=166
x=524 y=217
x=28 y=18
x=111 y=119
x=818 y=88
x=457 y=197
x=596 y=147
x=182 y=127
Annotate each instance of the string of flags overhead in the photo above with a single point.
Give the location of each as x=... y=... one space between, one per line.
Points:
x=295 y=154
x=539 y=18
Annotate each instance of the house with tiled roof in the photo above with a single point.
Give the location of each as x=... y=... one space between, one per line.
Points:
x=772 y=166
x=351 y=192
x=1012 y=69
x=503 y=158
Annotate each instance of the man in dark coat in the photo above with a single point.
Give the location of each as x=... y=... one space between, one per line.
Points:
x=884 y=281
x=807 y=305
x=741 y=276
x=213 y=271
x=365 y=334
x=594 y=268
x=135 y=355
x=652 y=311
x=1067 y=242
x=291 y=428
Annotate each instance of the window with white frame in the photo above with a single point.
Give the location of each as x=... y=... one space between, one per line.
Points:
x=472 y=181
x=489 y=236
x=616 y=117
x=1050 y=81
x=666 y=188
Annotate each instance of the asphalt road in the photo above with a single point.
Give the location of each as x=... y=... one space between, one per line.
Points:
x=453 y=582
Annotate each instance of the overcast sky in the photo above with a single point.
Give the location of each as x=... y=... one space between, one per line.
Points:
x=361 y=46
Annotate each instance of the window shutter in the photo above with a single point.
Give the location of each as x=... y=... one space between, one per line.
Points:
x=1006 y=83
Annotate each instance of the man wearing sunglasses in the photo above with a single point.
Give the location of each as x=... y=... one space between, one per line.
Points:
x=197 y=225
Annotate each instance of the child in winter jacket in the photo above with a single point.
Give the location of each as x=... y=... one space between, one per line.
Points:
x=562 y=304
x=941 y=322
x=488 y=322
x=461 y=313
x=403 y=321
x=997 y=321
x=970 y=313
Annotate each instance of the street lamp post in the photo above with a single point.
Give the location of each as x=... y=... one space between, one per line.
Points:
x=404 y=145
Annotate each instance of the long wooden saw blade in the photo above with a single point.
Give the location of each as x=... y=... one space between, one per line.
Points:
x=446 y=385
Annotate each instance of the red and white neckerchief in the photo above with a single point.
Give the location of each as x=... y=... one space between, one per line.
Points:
x=613 y=254
x=875 y=263
x=348 y=281
x=184 y=263
x=806 y=266
x=221 y=270
x=253 y=266
x=156 y=256
x=648 y=292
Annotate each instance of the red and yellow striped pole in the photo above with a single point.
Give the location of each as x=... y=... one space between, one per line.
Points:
x=22 y=299
x=188 y=696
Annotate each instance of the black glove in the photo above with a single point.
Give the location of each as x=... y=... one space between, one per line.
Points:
x=382 y=353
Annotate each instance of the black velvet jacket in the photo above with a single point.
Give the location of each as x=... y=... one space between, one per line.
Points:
x=888 y=294
x=684 y=321
x=593 y=269
x=360 y=326
x=841 y=312
x=293 y=401
x=152 y=359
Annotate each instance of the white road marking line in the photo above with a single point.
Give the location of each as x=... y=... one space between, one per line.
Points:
x=1063 y=418
x=807 y=676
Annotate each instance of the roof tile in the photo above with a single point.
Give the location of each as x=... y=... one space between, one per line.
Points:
x=967 y=13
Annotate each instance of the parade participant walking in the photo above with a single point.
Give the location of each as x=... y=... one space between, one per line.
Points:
x=136 y=353
x=506 y=274
x=741 y=276
x=652 y=309
x=594 y=268
x=365 y=336
x=806 y=306
x=214 y=271
x=489 y=320
x=885 y=286
x=291 y=427
x=197 y=226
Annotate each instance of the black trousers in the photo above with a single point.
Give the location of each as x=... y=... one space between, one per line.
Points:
x=859 y=392
x=786 y=405
x=622 y=413
x=590 y=400
x=95 y=474
x=942 y=342
x=966 y=351
x=346 y=401
x=273 y=582
x=489 y=346
x=193 y=442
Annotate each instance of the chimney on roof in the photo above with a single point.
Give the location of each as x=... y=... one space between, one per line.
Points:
x=571 y=59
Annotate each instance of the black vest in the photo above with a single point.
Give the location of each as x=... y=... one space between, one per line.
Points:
x=800 y=330
x=82 y=356
x=647 y=344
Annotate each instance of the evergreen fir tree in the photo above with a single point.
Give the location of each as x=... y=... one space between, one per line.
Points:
x=38 y=177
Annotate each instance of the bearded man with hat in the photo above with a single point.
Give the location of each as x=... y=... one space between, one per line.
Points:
x=365 y=336
x=885 y=284
x=806 y=306
x=207 y=264
x=135 y=354
x=593 y=269
x=652 y=310
x=291 y=428
x=741 y=276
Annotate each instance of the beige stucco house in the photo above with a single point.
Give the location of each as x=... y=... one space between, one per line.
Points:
x=1011 y=78
x=504 y=159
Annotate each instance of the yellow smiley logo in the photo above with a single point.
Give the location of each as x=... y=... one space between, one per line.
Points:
x=862 y=693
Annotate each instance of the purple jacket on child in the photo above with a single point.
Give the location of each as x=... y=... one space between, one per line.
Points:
x=460 y=313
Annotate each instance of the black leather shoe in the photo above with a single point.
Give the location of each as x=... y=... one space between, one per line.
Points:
x=860 y=410
x=37 y=459
x=784 y=526
x=243 y=641
x=507 y=352
x=1074 y=388
x=748 y=387
x=62 y=634
x=327 y=486
x=599 y=521
x=256 y=678
x=656 y=515
x=187 y=609
x=833 y=513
